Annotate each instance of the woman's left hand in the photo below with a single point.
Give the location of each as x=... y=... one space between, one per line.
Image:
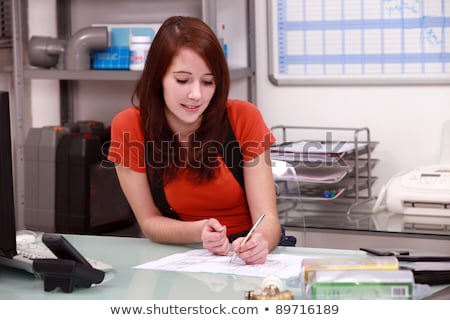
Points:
x=254 y=251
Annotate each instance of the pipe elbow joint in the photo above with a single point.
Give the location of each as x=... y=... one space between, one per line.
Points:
x=82 y=43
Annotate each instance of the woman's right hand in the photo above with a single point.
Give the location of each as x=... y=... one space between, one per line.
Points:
x=214 y=237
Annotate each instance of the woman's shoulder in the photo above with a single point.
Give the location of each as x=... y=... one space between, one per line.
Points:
x=237 y=105
x=238 y=109
x=249 y=126
x=130 y=115
x=245 y=118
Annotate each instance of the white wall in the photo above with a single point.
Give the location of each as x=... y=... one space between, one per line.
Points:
x=405 y=120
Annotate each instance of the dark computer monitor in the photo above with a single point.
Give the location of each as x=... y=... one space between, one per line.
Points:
x=7 y=213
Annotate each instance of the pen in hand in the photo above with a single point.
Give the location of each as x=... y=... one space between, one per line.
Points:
x=252 y=230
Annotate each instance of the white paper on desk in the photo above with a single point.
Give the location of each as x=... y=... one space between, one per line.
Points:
x=201 y=260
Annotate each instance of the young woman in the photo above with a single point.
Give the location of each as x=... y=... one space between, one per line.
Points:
x=169 y=149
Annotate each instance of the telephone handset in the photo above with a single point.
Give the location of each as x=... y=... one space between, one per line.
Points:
x=62 y=248
x=69 y=270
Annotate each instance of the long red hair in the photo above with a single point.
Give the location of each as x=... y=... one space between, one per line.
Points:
x=163 y=148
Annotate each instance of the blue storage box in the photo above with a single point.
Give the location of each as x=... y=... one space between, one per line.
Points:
x=113 y=58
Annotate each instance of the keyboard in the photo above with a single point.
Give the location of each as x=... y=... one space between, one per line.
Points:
x=38 y=250
x=29 y=248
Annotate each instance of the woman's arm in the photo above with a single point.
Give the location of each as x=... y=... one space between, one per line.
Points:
x=153 y=224
x=260 y=192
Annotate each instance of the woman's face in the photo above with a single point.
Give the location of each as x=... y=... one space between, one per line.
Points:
x=188 y=87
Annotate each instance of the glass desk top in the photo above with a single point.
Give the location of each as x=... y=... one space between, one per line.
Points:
x=127 y=283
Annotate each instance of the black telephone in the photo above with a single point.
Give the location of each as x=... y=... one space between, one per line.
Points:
x=69 y=270
x=62 y=248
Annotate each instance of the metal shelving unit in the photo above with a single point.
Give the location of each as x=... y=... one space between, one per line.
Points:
x=106 y=75
x=73 y=15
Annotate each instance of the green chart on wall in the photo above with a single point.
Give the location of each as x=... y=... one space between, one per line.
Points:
x=359 y=42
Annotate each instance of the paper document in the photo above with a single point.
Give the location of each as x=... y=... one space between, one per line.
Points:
x=201 y=260
x=317 y=147
x=322 y=174
x=314 y=151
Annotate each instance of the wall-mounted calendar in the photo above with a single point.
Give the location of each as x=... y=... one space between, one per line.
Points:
x=359 y=42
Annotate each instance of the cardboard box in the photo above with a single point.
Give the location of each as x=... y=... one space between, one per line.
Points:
x=311 y=265
x=361 y=284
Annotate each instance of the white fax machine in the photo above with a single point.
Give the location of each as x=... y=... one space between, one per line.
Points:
x=420 y=191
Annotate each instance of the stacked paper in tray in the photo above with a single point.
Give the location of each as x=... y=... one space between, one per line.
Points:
x=356 y=278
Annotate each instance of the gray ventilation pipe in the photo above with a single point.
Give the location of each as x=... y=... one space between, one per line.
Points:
x=46 y=52
x=82 y=43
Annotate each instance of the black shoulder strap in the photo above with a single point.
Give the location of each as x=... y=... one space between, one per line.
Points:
x=159 y=197
x=232 y=155
x=233 y=159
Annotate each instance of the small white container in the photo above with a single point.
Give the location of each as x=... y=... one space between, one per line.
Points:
x=139 y=46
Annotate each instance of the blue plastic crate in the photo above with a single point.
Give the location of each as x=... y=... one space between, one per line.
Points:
x=113 y=58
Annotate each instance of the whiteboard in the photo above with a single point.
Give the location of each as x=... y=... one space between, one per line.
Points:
x=359 y=42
